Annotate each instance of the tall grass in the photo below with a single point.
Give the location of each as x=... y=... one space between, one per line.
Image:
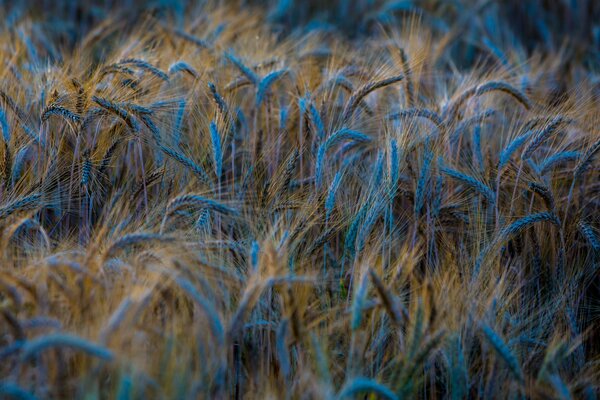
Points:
x=224 y=200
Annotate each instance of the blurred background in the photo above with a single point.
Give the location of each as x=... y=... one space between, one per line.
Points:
x=479 y=26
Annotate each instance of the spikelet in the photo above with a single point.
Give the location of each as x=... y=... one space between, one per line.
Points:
x=246 y=71
x=378 y=172
x=146 y=66
x=237 y=83
x=179 y=122
x=506 y=88
x=389 y=302
x=541 y=136
x=115 y=69
x=364 y=385
x=458 y=369
x=336 y=137
x=362 y=92
x=81 y=102
x=146 y=118
x=476 y=147
x=282 y=350
x=21 y=116
x=341 y=81
x=437 y=203
x=410 y=95
x=317 y=121
x=68 y=115
x=476 y=119
x=554 y=356
x=86 y=171
x=503 y=351
x=487 y=87
x=219 y=101
x=394 y=165
x=423 y=179
x=420 y=357
x=321 y=360
x=18 y=163
x=186 y=162
x=192 y=199
x=10 y=103
x=527 y=221
x=589 y=235
x=338 y=80
x=26 y=203
x=350 y=240
x=182 y=66
x=4 y=126
x=369 y=221
x=290 y=167
x=203 y=44
x=136 y=108
x=544 y=193
x=108 y=154
x=265 y=84
x=7 y=163
x=419 y=113
x=216 y=149
x=151 y=179
x=417 y=330
x=512 y=147
x=586 y=160
x=556 y=159
x=213 y=317
x=250 y=296
x=345 y=134
x=318 y=242
x=132 y=239
x=115 y=319
x=333 y=188
x=118 y=111
x=473 y=183
x=59 y=340
x=11 y=390
x=203 y=222
x=254 y=255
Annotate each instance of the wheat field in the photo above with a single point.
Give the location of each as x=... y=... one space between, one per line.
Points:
x=300 y=200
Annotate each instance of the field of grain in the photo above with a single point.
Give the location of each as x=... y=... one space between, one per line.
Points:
x=300 y=199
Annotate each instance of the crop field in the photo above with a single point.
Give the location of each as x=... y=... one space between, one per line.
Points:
x=262 y=199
